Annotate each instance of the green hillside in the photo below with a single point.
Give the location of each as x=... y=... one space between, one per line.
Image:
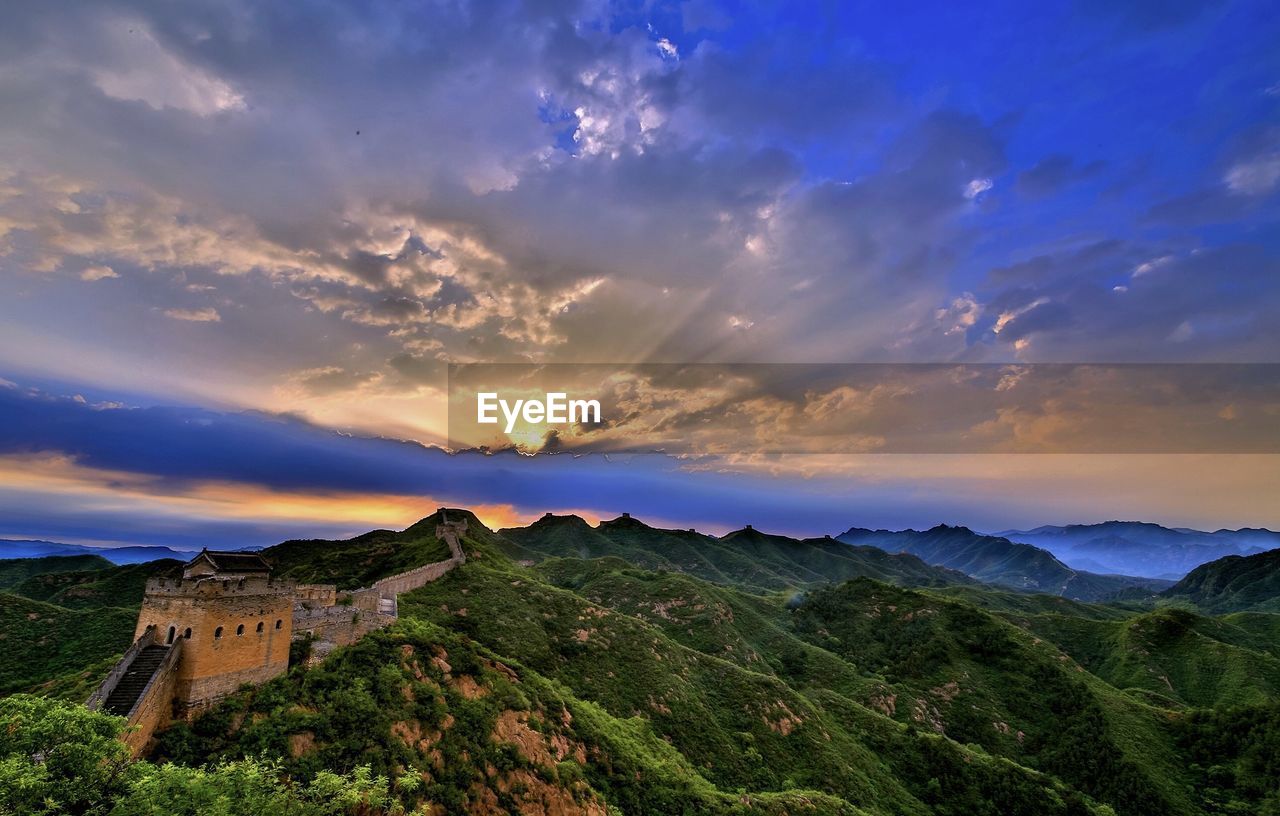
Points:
x=1172 y=655
x=14 y=571
x=357 y=562
x=1237 y=583
x=40 y=641
x=112 y=586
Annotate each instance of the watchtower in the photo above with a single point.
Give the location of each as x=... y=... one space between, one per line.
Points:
x=234 y=620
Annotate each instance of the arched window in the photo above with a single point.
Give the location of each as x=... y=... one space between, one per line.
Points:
x=259 y=627
x=279 y=623
x=240 y=629
x=217 y=633
x=173 y=630
x=187 y=633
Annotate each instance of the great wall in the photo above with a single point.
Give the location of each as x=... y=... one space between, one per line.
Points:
x=227 y=622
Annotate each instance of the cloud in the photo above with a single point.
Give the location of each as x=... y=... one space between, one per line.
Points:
x=190 y=476
x=387 y=189
x=97 y=273
x=143 y=70
x=331 y=380
x=1256 y=176
x=205 y=314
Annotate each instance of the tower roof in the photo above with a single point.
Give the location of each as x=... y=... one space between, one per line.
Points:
x=230 y=562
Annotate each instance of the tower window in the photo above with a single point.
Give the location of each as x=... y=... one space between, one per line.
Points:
x=187 y=633
x=260 y=627
x=217 y=633
x=279 y=623
x=173 y=631
x=240 y=629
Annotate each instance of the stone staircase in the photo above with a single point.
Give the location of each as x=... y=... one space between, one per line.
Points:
x=130 y=687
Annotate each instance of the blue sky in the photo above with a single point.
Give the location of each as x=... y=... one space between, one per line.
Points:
x=296 y=215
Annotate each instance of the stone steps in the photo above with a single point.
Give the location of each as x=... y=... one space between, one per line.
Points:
x=126 y=693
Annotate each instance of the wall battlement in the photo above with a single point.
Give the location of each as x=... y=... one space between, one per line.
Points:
x=211 y=586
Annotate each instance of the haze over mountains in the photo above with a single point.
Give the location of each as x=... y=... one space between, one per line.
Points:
x=997 y=560
x=1142 y=548
x=29 y=548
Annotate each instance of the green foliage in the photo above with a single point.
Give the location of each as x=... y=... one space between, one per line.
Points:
x=747 y=558
x=671 y=672
x=250 y=787
x=1172 y=655
x=982 y=681
x=1235 y=753
x=59 y=758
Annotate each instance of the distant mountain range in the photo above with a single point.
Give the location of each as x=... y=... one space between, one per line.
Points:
x=1141 y=548
x=24 y=548
x=998 y=560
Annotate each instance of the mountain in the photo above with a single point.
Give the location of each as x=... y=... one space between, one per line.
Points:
x=1141 y=548
x=24 y=548
x=1233 y=584
x=660 y=692
x=621 y=668
x=997 y=560
x=745 y=557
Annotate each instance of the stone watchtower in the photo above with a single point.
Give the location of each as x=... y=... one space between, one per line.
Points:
x=234 y=622
x=225 y=623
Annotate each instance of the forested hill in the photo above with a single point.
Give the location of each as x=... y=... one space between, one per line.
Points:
x=1237 y=583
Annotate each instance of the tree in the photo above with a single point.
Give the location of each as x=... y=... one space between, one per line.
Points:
x=60 y=758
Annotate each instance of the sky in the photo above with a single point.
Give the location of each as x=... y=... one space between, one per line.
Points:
x=240 y=243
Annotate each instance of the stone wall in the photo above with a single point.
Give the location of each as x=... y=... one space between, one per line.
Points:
x=315 y=594
x=411 y=580
x=361 y=611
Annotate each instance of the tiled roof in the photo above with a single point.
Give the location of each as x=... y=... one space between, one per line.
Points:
x=233 y=561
